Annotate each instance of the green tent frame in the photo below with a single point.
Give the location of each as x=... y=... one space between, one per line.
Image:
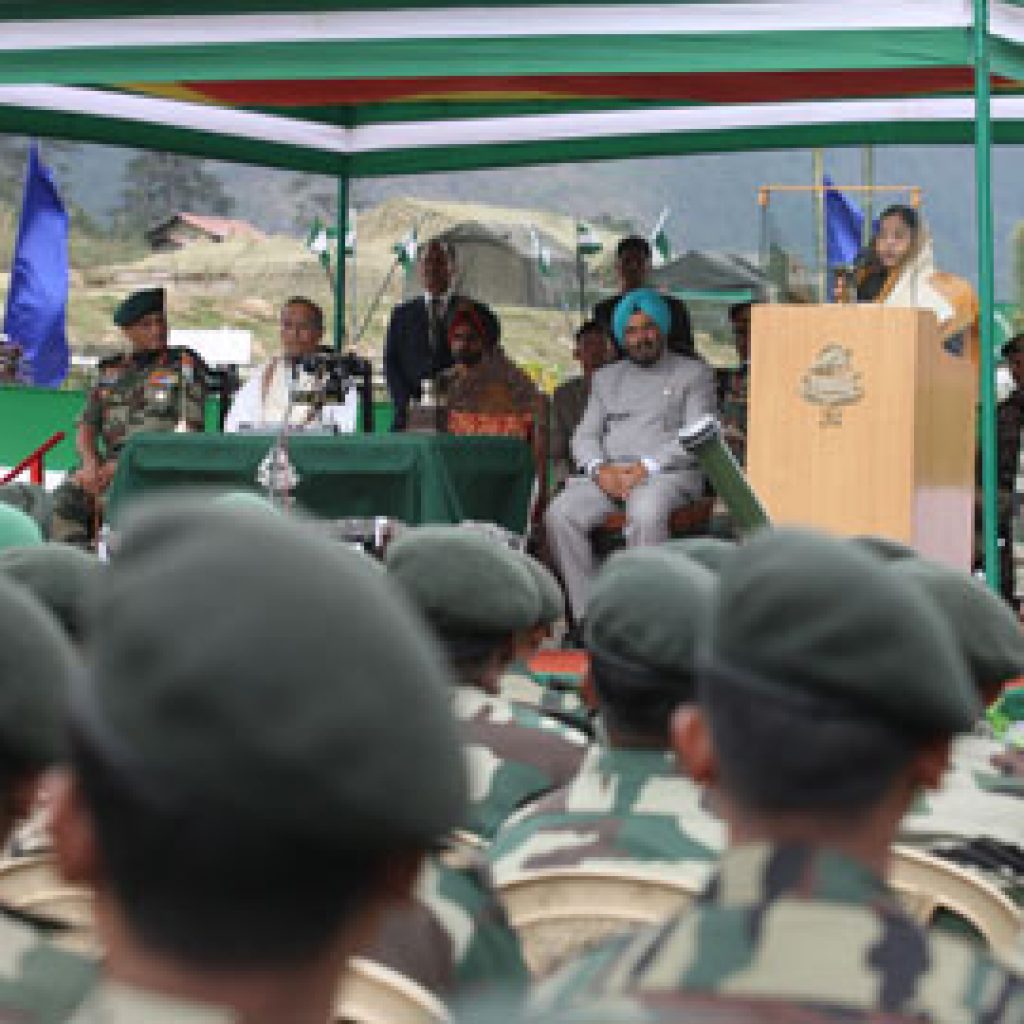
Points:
x=357 y=89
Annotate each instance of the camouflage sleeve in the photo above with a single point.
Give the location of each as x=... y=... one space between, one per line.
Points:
x=454 y=936
x=486 y=949
x=92 y=411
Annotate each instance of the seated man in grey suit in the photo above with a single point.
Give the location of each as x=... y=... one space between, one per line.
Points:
x=626 y=443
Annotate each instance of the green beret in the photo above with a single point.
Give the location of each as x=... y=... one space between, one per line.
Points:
x=138 y=305
x=986 y=628
x=241 y=657
x=37 y=664
x=649 y=607
x=886 y=548
x=17 y=530
x=710 y=552
x=552 y=601
x=801 y=611
x=61 y=577
x=464 y=581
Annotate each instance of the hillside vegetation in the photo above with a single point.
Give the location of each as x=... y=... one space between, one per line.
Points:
x=241 y=283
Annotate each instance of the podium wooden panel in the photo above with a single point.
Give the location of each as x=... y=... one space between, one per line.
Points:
x=860 y=422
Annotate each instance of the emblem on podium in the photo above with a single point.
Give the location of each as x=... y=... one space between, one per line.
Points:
x=832 y=383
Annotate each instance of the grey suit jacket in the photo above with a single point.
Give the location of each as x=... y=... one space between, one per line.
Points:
x=635 y=412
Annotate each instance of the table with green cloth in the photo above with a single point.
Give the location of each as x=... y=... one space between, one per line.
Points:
x=416 y=478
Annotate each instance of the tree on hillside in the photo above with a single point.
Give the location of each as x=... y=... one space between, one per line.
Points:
x=158 y=185
x=312 y=198
x=55 y=153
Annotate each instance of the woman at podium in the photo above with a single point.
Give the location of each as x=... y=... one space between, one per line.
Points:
x=899 y=270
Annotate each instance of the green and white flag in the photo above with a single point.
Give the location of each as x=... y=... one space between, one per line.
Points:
x=318 y=242
x=541 y=252
x=405 y=251
x=661 y=247
x=586 y=241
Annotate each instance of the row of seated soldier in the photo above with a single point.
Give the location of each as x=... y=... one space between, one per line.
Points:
x=283 y=784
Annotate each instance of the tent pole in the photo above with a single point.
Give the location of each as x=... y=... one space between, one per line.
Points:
x=339 y=275
x=986 y=289
x=867 y=178
x=820 y=244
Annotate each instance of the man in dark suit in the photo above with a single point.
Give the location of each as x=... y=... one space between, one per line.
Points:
x=416 y=345
x=632 y=268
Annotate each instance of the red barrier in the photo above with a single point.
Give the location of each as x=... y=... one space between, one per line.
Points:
x=35 y=462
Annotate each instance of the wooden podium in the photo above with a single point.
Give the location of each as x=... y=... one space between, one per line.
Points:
x=860 y=422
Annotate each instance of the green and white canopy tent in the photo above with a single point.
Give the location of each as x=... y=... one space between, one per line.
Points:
x=364 y=88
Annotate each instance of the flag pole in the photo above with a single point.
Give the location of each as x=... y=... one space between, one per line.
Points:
x=339 y=273
x=986 y=290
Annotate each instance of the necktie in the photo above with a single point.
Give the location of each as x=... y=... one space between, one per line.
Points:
x=436 y=315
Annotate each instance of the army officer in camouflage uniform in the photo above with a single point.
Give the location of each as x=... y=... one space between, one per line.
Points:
x=829 y=690
x=140 y=390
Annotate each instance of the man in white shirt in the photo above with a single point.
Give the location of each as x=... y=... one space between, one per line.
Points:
x=264 y=398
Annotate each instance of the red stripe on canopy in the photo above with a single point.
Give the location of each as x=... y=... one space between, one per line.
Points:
x=702 y=88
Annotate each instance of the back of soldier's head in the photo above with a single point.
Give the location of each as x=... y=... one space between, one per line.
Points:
x=37 y=665
x=61 y=577
x=475 y=592
x=823 y=675
x=236 y=735
x=645 y=615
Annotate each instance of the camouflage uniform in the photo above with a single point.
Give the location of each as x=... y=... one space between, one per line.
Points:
x=39 y=983
x=513 y=755
x=1009 y=420
x=454 y=936
x=623 y=805
x=520 y=686
x=809 y=926
x=111 y=1003
x=974 y=819
x=135 y=393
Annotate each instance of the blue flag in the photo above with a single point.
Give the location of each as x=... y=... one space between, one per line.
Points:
x=37 y=297
x=844 y=223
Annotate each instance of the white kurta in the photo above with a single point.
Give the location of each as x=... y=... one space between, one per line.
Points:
x=263 y=400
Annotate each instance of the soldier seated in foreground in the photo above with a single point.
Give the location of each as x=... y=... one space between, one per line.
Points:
x=149 y=388
x=477 y=595
x=628 y=803
x=37 y=664
x=243 y=814
x=829 y=691
x=518 y=682
x=60 y=577
x=976 y=817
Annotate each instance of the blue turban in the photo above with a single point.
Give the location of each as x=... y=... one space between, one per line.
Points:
x=641 y=300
